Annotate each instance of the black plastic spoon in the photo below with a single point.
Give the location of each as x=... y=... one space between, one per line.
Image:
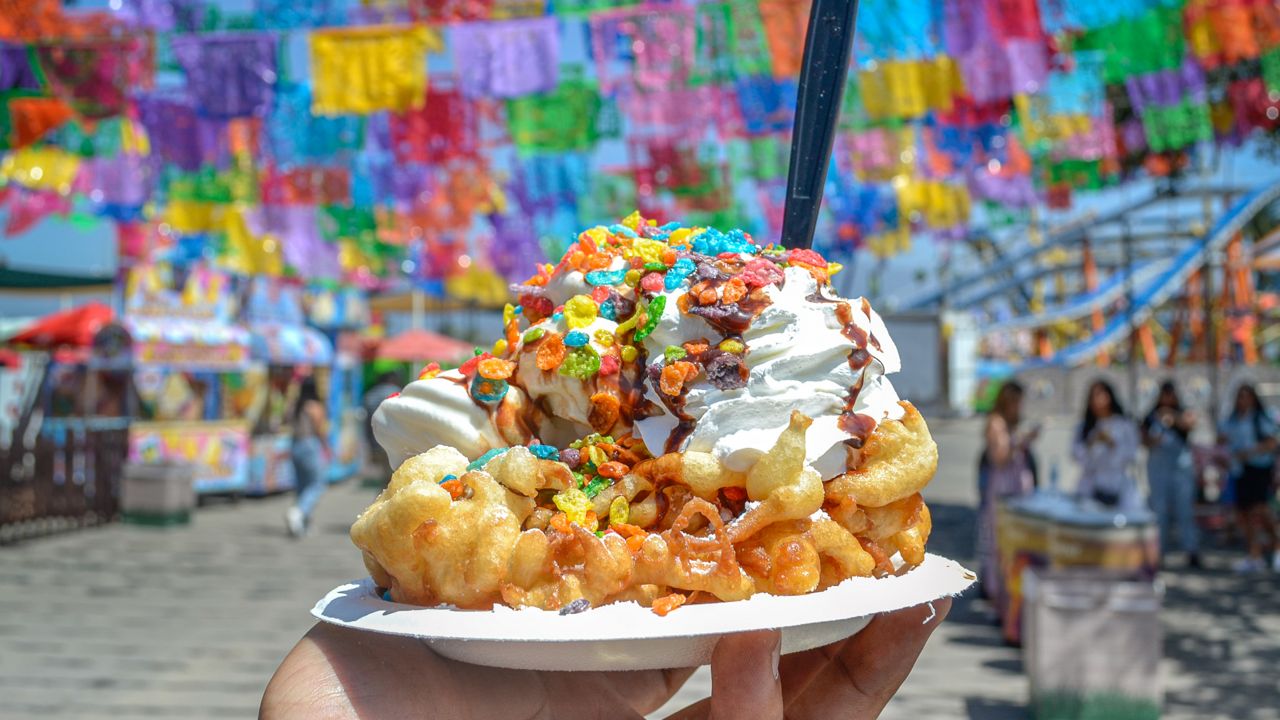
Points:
x=827 y=47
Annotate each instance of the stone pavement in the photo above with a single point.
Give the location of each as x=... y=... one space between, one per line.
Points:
x=124 y=622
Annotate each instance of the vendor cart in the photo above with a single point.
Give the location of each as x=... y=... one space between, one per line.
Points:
x=188 y=358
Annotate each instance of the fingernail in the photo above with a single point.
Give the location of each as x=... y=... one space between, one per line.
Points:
x=777 y=656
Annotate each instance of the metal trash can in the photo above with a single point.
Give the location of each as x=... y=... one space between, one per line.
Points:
x=158 y=494
x=1092 y=644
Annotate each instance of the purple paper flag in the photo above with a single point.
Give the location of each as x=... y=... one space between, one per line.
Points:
x=121 y=181
x=1015 y=191
x=514 y=248
x=986 y=73
x=1167 y=87
x=1133 y=136
x=16 y=72
x=507 y=59
x=229 y=74
x=162 y=15
x=178 y=135
x=405 y=184
x=298 y=232
x=964 y=26
x=1028 y=65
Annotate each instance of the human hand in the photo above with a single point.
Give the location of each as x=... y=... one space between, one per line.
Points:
x=1033 y=434
x=340 y=674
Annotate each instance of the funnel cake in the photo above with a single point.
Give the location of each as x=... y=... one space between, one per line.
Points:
x=673 y=415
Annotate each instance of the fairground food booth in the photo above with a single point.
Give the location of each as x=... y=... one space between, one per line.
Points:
x=344 y=316
x=189 y=367
x=285 y=351
x=64 y=419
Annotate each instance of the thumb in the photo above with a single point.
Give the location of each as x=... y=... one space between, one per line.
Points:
x=744 y=677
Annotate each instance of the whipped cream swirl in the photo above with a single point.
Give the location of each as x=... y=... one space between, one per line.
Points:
x=806 y=350
x=797 y=359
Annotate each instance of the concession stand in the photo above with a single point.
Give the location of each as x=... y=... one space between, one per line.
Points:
x=189 y=366
x=82 y=352
x=285 y=351
x=65 y=401
x=343 y=315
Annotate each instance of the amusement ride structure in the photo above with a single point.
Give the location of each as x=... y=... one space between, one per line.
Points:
x=1181 y=276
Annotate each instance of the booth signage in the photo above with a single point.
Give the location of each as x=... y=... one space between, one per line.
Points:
x=220 y=451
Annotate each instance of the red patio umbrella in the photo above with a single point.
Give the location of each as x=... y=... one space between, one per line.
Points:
x=75 y=327
x=421 y=345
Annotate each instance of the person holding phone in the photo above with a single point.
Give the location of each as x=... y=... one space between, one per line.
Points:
x=1166 y=433
x=1105 y=447
x=1004 y=473
x=1249 y=433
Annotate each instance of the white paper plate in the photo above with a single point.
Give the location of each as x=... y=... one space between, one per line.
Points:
x=625 y=636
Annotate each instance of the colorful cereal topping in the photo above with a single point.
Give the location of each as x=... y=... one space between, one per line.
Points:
x=489 y=391
x=545 y=452
x=484 y=459
x=581 y=362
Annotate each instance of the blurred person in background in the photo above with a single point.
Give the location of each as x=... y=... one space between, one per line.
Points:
x=310 y=455
x=1170 y=471
x=387 y=385
x=1249 y=433
x=1004 y=473
x=1105 y=447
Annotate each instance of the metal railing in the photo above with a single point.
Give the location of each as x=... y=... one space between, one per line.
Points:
x=64 y=477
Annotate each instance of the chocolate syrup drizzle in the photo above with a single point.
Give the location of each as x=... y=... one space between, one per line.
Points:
x=858 y=426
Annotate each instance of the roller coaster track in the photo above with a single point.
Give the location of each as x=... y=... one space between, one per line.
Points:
x=1151 y=281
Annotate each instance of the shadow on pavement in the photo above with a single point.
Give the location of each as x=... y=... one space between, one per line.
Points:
x=1234 y=657
x=1011 y=666
x=984 y=709
x=954 y=531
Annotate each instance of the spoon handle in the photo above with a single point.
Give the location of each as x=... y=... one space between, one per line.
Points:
x=828 y=45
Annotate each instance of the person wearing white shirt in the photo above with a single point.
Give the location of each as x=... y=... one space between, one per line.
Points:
x=1105 y=449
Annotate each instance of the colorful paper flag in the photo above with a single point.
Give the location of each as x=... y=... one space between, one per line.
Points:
x=361 y=70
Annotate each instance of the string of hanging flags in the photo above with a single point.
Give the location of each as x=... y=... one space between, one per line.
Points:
x=446 y=139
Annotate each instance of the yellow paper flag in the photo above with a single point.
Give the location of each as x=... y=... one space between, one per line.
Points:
x=247 y=253
x=361 y=70
x=193 y=217
x=41 y=168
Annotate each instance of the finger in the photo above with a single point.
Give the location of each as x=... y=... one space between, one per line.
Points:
x=744 y=677
x=799 y=670
x=646 y=690
x=866 y=671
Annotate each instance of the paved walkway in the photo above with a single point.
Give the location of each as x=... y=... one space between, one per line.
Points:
x=124 y=622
